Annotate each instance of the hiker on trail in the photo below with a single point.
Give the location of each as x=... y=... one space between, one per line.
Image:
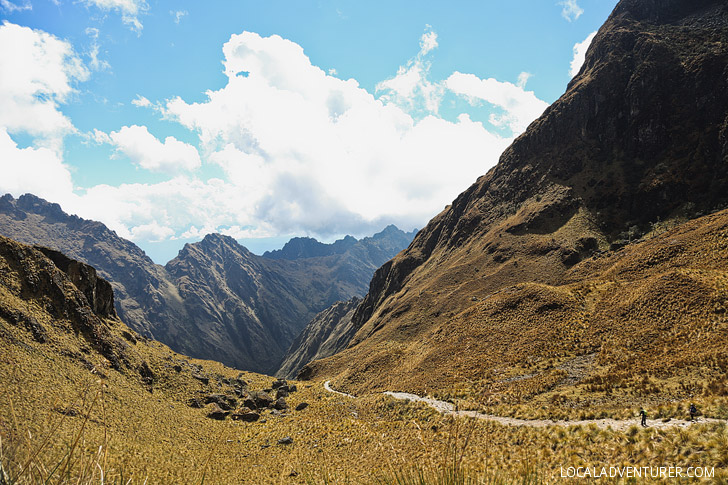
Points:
x=643 y=413
x=693 y=412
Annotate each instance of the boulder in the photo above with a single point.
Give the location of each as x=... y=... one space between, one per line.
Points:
x=285 y=441
x=248 y=416
x=262 y=399
x=227 y=403
x=280 y=404
x=217 y=413
x=301 y=406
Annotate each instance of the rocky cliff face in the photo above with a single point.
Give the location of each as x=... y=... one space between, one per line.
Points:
x=638 y=141
x=327 y=333
x=47 y=294
x=215 y=300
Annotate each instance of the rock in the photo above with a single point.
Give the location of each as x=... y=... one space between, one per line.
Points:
x=285 y=441
x=282 y=392
x=201 y=378
x=278 y=383
x=248 y=417
x=195 y=403
x=262 y=399
x=217 y=413
x=227 y=403
x=249 y=402
x=280 y=404
x=177 y=368
x=301 y=406
x=292 y=388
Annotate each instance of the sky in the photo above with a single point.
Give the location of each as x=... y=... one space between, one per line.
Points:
x=265 y=120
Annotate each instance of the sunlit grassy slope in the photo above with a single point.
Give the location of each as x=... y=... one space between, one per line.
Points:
x=98 y=404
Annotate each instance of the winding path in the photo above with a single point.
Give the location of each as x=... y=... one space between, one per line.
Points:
x=616 y=424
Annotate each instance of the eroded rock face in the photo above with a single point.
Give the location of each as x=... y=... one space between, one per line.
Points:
x=640 y=137
x=68 y=291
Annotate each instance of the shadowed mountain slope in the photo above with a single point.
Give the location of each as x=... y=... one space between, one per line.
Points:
x=328 y=333
x=503 y=276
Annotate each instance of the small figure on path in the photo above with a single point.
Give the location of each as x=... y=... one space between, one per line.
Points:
x=693 y=412
x=643 y=413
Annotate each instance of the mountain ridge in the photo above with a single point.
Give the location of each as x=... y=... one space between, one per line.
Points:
x=163 y=302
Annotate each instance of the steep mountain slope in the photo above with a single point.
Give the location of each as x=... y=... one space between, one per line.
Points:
x=246 y=309
x=215 y=299
x=327 y=333
x=144 y=295
x=638 y=143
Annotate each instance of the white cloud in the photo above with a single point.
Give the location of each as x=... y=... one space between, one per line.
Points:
x=141 y=102
x=178 y=14
x=428 y=41
x=152 y=232
x=11 y=7
x=36 y=170
x=95 y=63
x=301 y=152
x=523 y=79
x=144 y=150
x=570 y=10
x=130 y=10
x=580 y=49
x=36 y=76
x=411 y=88
x=307 y=152
x=519 y=106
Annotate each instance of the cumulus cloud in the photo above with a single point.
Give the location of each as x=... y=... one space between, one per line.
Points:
x=300 y=151
x=411 y=88
x=580 y=49
x=519 y=107
x=570 y=10
x=141 y=102
x=313 y=153
x=38 y=74
x=144 y=150
x=36 y=170
x=130 y=10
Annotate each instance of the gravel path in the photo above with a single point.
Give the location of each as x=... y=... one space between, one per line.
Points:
x=616 y=424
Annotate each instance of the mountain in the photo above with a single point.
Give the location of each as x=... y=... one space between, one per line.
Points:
x=216 y=299
x=559 y=255
x=327 y=333
x=308 y=247
x=144 y=295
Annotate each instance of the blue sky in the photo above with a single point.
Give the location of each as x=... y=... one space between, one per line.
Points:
x=264 y=120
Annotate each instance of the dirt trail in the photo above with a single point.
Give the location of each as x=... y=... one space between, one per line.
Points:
x=616 y=424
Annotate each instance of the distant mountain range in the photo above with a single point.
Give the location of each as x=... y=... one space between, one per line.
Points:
x=215 y=300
